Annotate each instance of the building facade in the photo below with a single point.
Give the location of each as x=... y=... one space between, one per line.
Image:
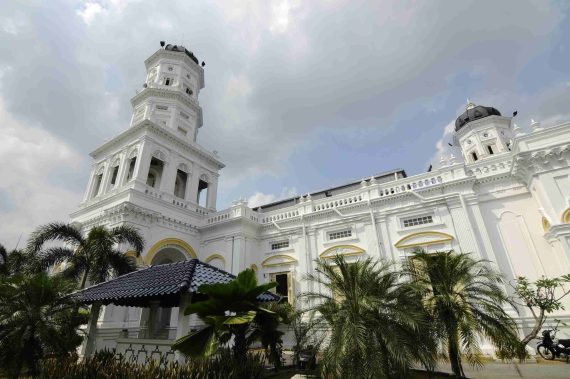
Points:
x=507 y=200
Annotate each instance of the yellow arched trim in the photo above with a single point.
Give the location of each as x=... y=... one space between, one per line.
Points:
x=566 y=216
x=440 y=237
x=254 y=267
x=281 y=260
x=215 y=256
x=167 y=242
x=132 y=253
x=354 y=250
x=545 y=224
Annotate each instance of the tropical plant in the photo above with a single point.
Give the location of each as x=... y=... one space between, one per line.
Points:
x=37 y=318
x=265 y=330
x=465 y=299
x=376 y=325
x=228 y=310
x=16 y=262
x=541 y=297
x=109 y=365
x=306 y=330
x=94 y=257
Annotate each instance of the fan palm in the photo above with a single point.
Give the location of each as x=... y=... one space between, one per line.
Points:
x=228 y=311
x=36 y=318
x=94 y=257
x=464 y=298
x=376 y=326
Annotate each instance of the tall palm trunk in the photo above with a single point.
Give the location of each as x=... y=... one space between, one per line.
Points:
x=453 y=350
x=240 y=343
x=84 y=279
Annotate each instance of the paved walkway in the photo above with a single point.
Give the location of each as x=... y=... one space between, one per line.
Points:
x=548 y=370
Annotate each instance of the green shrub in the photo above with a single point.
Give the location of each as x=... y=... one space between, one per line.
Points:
x=106 y=365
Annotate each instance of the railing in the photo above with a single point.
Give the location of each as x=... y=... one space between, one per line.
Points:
x=338 y=203
x=280 y=216
x=141 y=350
x=153 y=192
x=369 y=190
x=407 y=185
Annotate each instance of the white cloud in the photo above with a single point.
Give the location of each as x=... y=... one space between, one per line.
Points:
x=442 y=148
x=31 y=159
x=90 y=10
x=260 y=198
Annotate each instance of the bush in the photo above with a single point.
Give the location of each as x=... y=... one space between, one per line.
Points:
x=106 y=365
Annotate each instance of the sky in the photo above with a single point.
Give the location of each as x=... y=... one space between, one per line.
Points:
x=300 y=95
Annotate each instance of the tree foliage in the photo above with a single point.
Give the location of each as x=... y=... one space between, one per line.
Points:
x=37 y=318
x=231 y=310
x=464 y=299
x=377 y=328
x=541 y=297
x=94 y=257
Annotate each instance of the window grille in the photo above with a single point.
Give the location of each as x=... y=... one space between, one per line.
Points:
x=279 y=245
x=418 y=221
x=340 y=234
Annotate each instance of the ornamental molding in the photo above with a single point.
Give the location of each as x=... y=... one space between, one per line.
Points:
x=149 y=126
x=342 y=250
x=528 y=164
x=423 y=239
x=278 y=260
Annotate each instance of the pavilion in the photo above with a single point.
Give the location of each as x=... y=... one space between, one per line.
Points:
x=165 y=286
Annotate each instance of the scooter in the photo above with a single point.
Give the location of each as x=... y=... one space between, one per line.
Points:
x=549 y=347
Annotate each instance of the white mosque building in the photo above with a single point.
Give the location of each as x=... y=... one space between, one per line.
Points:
x=507 y=200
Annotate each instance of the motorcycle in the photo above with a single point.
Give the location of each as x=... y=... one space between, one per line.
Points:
x=549 y=347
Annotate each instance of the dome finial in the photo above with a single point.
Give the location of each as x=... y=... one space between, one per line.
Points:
x=470 y=105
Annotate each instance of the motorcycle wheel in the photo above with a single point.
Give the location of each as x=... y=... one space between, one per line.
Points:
x=545 y=352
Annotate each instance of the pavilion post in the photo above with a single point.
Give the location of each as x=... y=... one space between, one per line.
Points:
x=152 y=318
x=90 y=341
x=183 y=326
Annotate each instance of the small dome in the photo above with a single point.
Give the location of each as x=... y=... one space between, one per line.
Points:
x=474 y=112
x=181 y=49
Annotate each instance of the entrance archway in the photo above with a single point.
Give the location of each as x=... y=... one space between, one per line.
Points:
x=166 y=251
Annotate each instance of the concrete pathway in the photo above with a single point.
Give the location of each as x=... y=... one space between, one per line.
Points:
x=548 y=370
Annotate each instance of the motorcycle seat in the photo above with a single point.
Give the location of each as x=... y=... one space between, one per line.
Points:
x=564 y=342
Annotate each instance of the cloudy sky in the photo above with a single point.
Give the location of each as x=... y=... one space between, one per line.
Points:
x=300 y=95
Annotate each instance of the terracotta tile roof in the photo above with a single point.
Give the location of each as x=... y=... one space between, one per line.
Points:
x=162 y=283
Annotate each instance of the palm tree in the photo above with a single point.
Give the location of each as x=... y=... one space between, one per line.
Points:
x=464 y=298
x=37 y=317
x=94 y=257
x=229 y=310
x=16 y=262
x=376 y=326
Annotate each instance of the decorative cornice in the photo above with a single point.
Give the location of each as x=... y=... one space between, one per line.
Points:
x=148 y=125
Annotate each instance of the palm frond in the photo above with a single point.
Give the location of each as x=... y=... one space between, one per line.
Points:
x=130 y=235
x=54 y=231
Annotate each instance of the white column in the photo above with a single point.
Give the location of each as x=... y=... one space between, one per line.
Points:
x=212 y=195
x=183 y=325
x=87 y=195
x=143 y=163
x=193 y=184
x=106 y=175
x=168 y=177
x=90 y=341
x=123 y=169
